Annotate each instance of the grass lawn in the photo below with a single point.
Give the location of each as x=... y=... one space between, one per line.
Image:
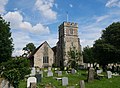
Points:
x=74 y=80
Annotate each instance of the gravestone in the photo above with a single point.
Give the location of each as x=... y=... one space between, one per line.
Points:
x=59 y=73
x=88 y=64
x=73 y=71
x=109 y=74
x=64 y=81
x=33 y=72
x=37 y=70
x=38 y=76
x=41 y=72
x=50 y=73
x=82 y=84
x=33 y=85
x=49 y=68
x=99 y=71
x=98 y=65
x=91 y=65
x=31 y=80
x=91 y=73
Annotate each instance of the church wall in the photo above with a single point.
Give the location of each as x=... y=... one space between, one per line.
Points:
x=38 y=56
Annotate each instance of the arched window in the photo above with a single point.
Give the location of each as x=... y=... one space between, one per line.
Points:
x=71 y=31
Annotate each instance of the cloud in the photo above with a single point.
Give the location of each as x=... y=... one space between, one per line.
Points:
x=20 y=39
x=45 y=9
x=113 y=3
x=2 y=6
x=101 y=18
x=56 y=5
x=17 y=22
x=71 y=5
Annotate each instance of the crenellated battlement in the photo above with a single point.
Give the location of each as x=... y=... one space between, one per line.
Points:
x=69 y=24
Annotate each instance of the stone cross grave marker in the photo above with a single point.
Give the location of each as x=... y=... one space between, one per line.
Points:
x=91 y=73
x=109 y=74
x=50 y=73
x=31 y=80
x=64 y=81
x=82 y=84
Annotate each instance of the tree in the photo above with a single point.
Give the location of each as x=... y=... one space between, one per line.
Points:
x=30 y=47
x=107 y=48
x=74 y=57
x=15 y=70
x=88 y=55
x=6 y=46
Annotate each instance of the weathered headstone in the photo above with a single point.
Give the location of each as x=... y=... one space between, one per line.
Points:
x=31 y=80
x=59 y=73
x=4 y=83
x=33 y=85
x=33 y=72
x=73 y=71
x=82 y=84
x=64 y=81
x=50 y=73
x=109 y=74
x=91 y=73
x=38 y=76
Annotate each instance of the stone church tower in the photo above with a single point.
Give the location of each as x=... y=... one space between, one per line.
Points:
x=68 y=38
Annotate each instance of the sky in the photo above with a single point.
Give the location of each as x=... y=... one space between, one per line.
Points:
x=36 y=21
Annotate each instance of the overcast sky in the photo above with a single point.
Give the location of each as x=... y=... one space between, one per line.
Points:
x=37 y=21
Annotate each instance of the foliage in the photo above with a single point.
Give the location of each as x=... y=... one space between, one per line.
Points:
x=74 y=57
x=6 y=46
x=107 y=48
x=88 y=55
x=30 y=47
x=15 y=70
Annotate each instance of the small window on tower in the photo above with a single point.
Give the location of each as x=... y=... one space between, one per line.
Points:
x=71 y=31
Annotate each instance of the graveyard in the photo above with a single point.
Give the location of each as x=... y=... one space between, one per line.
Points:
x=66 y=79
x=41 y=48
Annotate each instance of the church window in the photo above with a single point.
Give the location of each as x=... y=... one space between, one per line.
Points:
x=71 y=31
x=45 y=59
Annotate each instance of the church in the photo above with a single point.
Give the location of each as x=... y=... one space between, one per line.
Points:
x=45 y=56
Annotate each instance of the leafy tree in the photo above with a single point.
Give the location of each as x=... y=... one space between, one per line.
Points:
x=6 y=46
x=88 y=55
x=74 y=57
x=30 y=47
x=15 y=70
x=107 y=48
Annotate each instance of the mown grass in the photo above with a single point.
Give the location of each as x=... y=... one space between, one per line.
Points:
x=74 y=80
